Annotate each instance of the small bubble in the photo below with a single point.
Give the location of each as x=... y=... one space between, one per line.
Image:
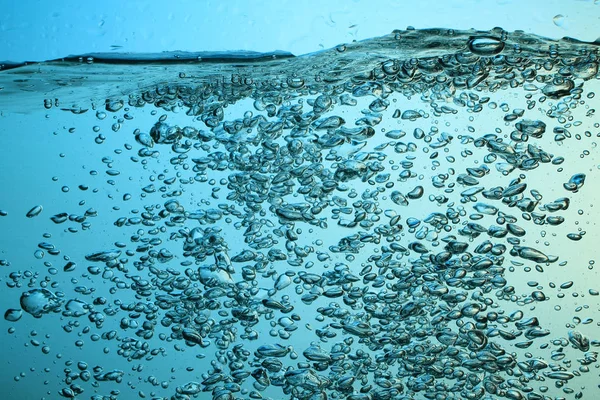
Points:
x=559 y=20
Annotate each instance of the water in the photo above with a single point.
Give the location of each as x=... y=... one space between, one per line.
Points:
x=411 y=216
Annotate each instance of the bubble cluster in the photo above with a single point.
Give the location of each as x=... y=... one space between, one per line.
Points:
x=361 y=233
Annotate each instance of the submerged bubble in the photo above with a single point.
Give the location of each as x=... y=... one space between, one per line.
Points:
x=575 y=183
x=103 y=256
x=13 y=315
x=38 y=302
x=34 y=212
x=485 y=45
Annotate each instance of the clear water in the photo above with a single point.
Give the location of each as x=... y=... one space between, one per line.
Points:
x=411 y=216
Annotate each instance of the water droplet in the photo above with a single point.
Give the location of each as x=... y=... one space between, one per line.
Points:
x=559 y=20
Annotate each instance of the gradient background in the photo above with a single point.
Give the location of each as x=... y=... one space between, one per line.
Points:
x=39 y=30
x=37 y=147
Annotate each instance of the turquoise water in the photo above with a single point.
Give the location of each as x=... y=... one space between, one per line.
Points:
x=410 y=216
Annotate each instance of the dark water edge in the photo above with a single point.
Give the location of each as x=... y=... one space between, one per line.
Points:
x=78 y=81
